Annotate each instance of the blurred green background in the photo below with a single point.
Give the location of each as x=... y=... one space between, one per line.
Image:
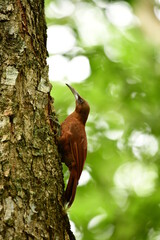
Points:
x=109 y=51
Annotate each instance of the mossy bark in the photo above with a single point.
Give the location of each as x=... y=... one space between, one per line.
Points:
x=31 y=180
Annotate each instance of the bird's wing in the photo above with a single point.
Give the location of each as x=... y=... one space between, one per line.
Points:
x=78 y=145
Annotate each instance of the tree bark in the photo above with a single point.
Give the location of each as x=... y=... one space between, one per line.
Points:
x=31 y=179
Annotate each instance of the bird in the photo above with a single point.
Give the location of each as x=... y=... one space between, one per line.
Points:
x=73 y=144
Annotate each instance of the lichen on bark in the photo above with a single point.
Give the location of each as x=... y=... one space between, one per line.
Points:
x=31 y=180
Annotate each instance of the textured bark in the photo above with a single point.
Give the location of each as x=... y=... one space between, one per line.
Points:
x=31 y=180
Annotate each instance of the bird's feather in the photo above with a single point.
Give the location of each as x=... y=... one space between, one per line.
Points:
x=78 y=147
x=79 y=151
x=71 y=188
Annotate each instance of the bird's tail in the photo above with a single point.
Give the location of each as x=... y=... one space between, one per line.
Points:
x=71 y=188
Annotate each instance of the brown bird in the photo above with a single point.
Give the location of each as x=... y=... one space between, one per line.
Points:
x=73 y=144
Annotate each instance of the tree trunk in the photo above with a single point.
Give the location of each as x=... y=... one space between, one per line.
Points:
x=31 y=180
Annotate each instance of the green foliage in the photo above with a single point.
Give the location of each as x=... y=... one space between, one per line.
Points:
x=121 y=200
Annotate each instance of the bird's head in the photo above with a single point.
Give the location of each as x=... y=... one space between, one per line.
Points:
x=82 y=107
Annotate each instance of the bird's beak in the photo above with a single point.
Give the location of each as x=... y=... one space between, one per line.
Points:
x=75 y=93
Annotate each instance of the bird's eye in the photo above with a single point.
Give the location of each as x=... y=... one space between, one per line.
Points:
x=80 y=100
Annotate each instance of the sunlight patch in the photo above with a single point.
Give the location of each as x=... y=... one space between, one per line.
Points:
x=59 y=9
x=78 y=69
x=121 y=197
x=96 y=220
x=57 y=67
x=143 y=144
x=114 y=134
x=61 y=39
x=75 y=231
x=153 y=235
x=157 y=9
x=136 y=177
x=120 y=14
x=91 y=24
x=64 y=70
x=85 y=178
